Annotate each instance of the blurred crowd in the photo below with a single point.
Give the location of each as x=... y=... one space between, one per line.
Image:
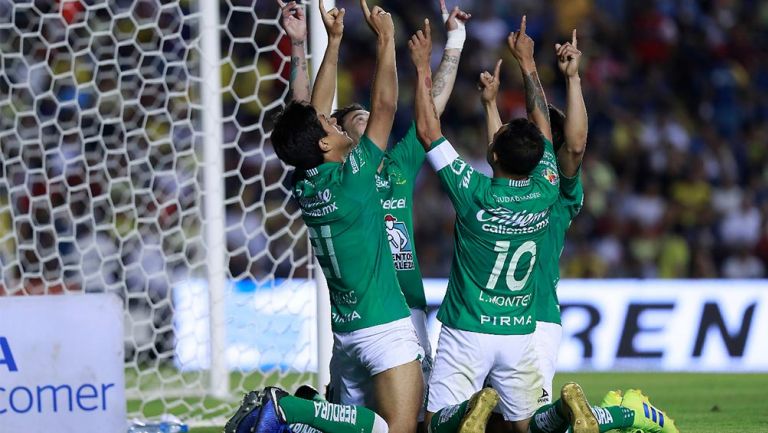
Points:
x=101 y=136
x=676 y=169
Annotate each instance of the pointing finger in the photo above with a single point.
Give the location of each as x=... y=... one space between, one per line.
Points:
x=522 y=25
x=573 y=39
x=497 y=70
x=366 y=11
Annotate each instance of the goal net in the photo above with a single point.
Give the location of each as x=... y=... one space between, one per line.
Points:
x=120 y=175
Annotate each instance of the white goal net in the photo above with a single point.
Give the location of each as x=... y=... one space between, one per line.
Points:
x=104 y=187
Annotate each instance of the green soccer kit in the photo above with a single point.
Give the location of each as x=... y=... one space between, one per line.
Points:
x=567 y=206
x=395 y=184
x=500 y=227
x=340 y=206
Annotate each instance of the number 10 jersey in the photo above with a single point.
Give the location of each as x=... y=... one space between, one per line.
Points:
x=500 y=227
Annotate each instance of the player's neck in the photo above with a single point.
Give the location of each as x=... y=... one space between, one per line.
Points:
x=335 y=156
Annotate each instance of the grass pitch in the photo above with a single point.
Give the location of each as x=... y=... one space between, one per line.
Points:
x=699 y=403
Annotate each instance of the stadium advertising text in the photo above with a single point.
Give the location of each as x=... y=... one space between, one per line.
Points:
x=64 y=373
x=714 y=325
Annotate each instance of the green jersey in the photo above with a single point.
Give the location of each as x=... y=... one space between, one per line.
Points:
x=500 y=226
x=567 y=206
x=340 y=207
x=395 y=184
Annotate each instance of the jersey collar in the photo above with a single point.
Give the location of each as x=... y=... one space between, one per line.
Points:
x=322 y=168
x=518 y=183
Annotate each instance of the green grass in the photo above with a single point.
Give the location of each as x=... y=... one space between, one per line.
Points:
x=699 y=403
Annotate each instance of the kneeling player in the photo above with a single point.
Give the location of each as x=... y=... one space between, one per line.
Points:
x=376 y=352
x=487 y=314
x=272 y=410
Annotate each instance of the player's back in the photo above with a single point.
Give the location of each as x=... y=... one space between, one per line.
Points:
x=341 y=209
x=500 y=225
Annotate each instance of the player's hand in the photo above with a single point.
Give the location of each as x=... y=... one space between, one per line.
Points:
x=379 y=20
x=568 y=57
x=520 y=44
x=454 y=19
x=420 y=45
x=333 y=21
x=489 y=84
x=294 y=20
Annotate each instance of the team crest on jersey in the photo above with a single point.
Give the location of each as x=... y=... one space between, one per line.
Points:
x=397 y=178
x=550 y=175
x=399 y=243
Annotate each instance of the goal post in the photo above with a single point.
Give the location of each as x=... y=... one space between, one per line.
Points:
x=135 y=160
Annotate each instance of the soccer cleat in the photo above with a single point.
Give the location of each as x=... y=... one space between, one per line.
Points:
x=612 y=398
x=577 y=410
x=478 y=410
x=647 y=417
x=259 y=413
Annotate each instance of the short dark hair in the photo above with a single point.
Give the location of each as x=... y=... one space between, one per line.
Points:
x=341 y=112
x=557 y=122
x=519 y=147
x=297 y=134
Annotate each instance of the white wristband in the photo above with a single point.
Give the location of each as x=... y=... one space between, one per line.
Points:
x=456 y=38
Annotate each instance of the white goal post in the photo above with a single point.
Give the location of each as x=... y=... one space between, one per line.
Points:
x=135 y=160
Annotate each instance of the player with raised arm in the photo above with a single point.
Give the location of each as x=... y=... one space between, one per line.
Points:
x=569 y=137
x=500 y=223
x=375 y=346
x=396 y=178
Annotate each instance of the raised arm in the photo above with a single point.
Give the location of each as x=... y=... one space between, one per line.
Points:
x=445 y=77
x=295 y=25
x=521 y=46
x=325 y=83
x=489 y=91
x=384 y=89
x=427 y=119
x=575 y=129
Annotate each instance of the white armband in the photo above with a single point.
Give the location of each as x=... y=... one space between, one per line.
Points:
x=442 y=155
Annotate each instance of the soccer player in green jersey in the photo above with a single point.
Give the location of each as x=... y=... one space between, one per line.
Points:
x=396 y=178
x=569 y=137
x=375 y=345
x=488 y=314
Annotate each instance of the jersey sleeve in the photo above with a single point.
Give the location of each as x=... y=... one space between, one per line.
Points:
x=409 y=153
x=572 y=193
x=462 y=183
x=359 y=170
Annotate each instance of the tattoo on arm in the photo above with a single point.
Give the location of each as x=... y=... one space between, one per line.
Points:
x=534 y=95
x=296 y=64
x=447 y=67
x=294 y=69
